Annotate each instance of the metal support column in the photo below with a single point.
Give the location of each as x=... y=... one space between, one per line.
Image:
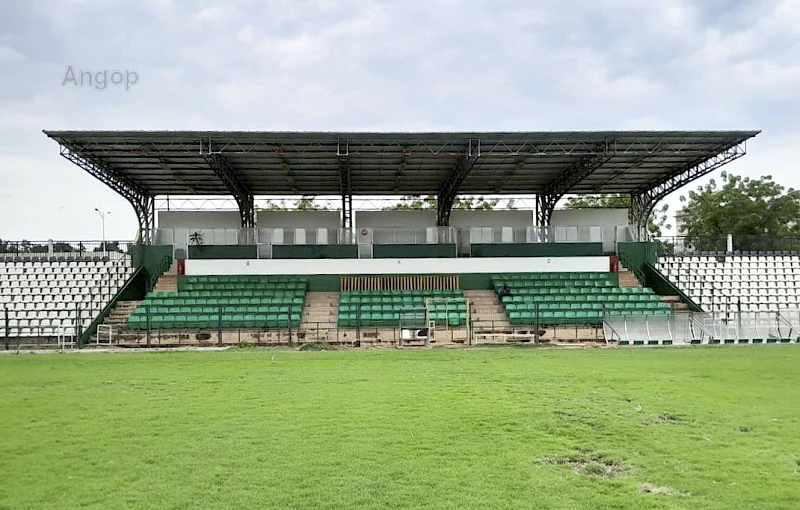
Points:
x=236 y=185
x=554 y=190
x=448 y=190
x=345 y=185
x=545 y=205
x=642 y=207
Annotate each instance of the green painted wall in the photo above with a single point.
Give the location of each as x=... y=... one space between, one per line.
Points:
x=636 y=255
x=332 y=283
x=149 y=256
x=413 y=251
x=537 y=250
x=223 y=252
x=662 y=286
x=314 y=251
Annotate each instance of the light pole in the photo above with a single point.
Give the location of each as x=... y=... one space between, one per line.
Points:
x=103 y=221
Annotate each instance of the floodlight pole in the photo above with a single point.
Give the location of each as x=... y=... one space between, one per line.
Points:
x=103 y=223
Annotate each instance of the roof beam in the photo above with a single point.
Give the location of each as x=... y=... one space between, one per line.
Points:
x=235 y=185
x=554 y=190
x=142 y=202
x=644 y=201
x=696 y=169
x=448 y=190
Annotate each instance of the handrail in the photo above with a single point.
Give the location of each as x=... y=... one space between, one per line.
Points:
x=693 y=321
x=704 y=282
x=780 y=318
x=98 y=288
x=630 y=266
x=163 y=267
x=614 y=331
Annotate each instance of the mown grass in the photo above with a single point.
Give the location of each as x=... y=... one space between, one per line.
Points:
x=672 y=428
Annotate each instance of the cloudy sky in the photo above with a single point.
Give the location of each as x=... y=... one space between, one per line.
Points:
x=402 y=65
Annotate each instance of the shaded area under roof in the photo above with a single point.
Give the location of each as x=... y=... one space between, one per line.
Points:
x=363 y=163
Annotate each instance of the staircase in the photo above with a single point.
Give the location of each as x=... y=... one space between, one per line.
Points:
x=320 y=316
x=168 y=282
x=320 y=310
x=118 y=319
x=628 y=279
x=487 y=312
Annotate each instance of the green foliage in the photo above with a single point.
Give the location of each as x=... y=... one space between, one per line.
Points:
x=308 y=204
x=109 y=246
x=427 y=202
x=759 y=213
x=304 y=203
x=442 y=428
x=656 y=225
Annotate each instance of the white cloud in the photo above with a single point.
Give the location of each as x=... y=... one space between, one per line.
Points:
x=416 y=65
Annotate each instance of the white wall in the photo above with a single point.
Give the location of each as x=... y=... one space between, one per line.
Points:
x=458 y=218
x=375 y=219
x=609 y=219
x=298 y=219
x=199 y=219
x=505 y=218
x=216 y=227
x=397 y=266
x=396 y=227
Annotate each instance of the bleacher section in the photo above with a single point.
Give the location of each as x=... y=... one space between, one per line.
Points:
x=47 y=297
x=762 y=282
x=572 y=298
x=243 y=301
x=385 y=307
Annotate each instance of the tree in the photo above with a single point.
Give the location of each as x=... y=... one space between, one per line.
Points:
x=308 y=204
x=63 y=248
x=413 y=203
x=303 y=203
x=656 y=224
x=759 y=213
x=416 y=203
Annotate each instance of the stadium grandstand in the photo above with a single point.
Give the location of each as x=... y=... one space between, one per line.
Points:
x=394 y=277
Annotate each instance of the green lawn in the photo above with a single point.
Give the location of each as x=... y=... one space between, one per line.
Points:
x=460 y=429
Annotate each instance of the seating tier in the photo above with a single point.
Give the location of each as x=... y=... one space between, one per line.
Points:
x=210 y=302
x=572 y=298
x=47 y=297
x=385 y=308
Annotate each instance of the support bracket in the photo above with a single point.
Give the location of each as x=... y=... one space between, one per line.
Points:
x=142 y=202
x=644 y=201
x=448 y=191
x=234 y=183
x=554 y=190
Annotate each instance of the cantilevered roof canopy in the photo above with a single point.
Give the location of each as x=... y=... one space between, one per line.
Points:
x=312 y=163
x=648 y=165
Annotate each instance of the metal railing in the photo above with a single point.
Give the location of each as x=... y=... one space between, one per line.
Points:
x=163 y=267
x=534 y=234
x=391 y=235
x=781 y=326
x=740 y=244
x=62 y=250
x=707 y=289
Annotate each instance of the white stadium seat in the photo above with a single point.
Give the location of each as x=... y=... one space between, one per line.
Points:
x=40 y=297
x=759 y=283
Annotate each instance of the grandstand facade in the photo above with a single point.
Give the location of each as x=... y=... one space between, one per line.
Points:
x=393 y=277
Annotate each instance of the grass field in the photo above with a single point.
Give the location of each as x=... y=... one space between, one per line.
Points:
x=461 y=429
